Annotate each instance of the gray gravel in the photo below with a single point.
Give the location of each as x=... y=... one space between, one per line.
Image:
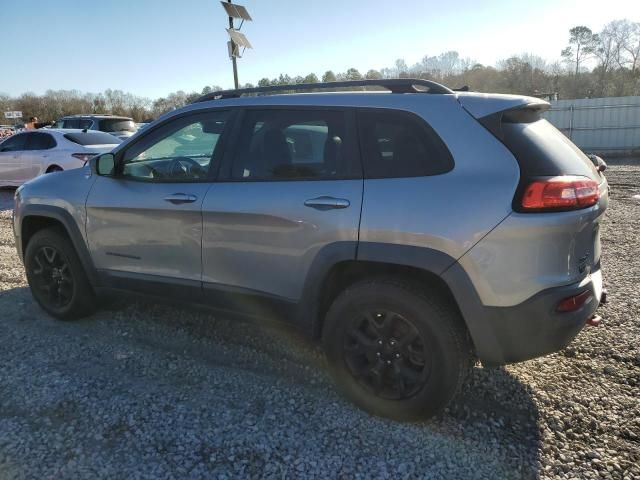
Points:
x=149 y=391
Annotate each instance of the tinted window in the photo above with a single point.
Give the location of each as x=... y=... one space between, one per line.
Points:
x=85 y=123
x=14 y=143
x=117 y=125
x=398 y=144
x=92 y=137
x=40 y=141
x=181 y=150
x=541 y=149
x=72 y=123
x=292 y=144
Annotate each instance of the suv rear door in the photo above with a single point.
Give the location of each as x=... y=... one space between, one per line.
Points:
x=287 y=201
x=144 y=222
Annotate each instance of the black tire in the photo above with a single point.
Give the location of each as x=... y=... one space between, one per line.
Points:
x=415 y=379
x=55 y=274
x=53 y=168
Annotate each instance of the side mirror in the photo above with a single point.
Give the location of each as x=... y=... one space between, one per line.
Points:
x=104 y=164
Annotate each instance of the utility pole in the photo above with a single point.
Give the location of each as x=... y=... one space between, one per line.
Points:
x=236 y=39
x=233 y=57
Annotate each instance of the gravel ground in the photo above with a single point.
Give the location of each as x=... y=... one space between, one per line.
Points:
x=150 y=391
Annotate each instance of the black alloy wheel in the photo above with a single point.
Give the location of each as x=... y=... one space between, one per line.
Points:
x=386 y=354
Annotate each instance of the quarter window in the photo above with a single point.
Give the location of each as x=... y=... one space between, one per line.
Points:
x=292 y=144
x=181 y=150
x=399 y=144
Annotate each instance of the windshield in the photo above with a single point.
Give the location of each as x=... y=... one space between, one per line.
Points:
x=117 y=125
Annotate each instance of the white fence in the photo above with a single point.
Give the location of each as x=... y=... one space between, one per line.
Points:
x=599 y=124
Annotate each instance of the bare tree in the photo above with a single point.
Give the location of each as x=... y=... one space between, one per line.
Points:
x=582 y=45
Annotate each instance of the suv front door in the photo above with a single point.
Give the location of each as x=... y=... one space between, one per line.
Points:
x=287 y=203
x=144 y=223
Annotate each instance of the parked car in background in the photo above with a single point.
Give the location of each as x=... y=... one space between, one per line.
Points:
x=121 y=127
x=26 y=155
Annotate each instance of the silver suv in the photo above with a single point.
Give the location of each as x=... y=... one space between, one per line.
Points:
x=413 y=231
x=121 y=127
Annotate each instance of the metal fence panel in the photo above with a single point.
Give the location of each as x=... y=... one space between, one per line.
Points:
x=599 y=124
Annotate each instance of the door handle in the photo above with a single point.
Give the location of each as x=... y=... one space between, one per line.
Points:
x=327 y=203
x=180 y=198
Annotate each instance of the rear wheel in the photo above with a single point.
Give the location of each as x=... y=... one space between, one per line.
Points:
x=53 y=168
x=394 y=351
x=55 y=274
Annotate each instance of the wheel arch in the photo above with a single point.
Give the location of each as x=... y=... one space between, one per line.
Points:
x=37 y=217
x=420 y=266
x=53 y=167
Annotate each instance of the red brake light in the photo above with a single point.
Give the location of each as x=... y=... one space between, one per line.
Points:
x=85 y=157
x=560 y=193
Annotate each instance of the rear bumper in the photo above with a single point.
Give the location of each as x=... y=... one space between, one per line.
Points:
x=531 y=329
x=534 y=328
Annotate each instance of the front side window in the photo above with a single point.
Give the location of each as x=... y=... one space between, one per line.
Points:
x=399 y=144
x=292 y=144
x=181 y=150
x=14 y=143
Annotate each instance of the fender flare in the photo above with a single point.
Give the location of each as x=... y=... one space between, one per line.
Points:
x=73 y=231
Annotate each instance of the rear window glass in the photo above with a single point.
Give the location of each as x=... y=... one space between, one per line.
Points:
x=117 y=125
x=542 y=150
x=92 y=138
x=399 y=144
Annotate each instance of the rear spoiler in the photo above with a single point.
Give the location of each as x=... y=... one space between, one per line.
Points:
x=492 y=109
x=483 y=104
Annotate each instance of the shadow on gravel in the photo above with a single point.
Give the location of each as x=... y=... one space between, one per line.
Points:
x=494 y=418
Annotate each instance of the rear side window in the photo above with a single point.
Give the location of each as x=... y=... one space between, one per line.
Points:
x=92 y=138
x=72 y=123
x=293 y=144
x=40 y=141
x=541 y=149
x=399 y=144
x=117 y=125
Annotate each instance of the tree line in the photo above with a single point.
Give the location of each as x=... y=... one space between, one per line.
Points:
x=592 y=64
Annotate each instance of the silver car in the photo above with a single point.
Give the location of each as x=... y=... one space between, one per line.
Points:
x=121 y=127
x=413 y=231
x=26 y=155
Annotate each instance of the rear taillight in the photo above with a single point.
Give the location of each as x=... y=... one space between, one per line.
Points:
x=85 y=157
x=571 y=304
x=560 y=193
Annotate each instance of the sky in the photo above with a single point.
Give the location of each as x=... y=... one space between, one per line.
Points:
x=153 y=47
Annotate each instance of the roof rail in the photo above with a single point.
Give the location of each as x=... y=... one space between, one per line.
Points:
x=395 y=85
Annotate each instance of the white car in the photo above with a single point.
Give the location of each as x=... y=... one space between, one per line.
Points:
x=26 y=155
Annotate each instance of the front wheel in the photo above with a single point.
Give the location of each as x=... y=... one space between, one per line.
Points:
x=394 y=351
x=55 y=274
